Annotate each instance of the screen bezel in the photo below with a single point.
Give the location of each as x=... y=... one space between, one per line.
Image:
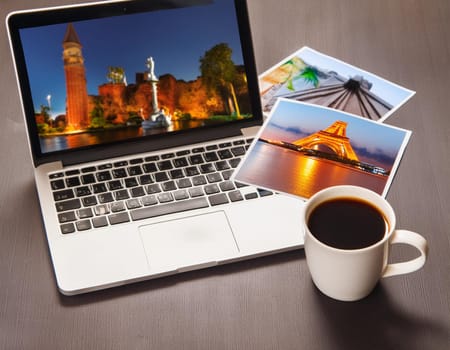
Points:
x=27 y=19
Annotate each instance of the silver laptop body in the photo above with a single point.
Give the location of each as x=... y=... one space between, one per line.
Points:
x=134 y=132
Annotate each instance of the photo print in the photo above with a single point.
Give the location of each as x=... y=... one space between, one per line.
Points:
x=312 y=77
x=303 y=148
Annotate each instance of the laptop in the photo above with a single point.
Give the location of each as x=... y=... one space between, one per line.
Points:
x=137 y=113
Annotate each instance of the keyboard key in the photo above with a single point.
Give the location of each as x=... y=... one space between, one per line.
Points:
x=149 y=200
x=151 y=158
x=117 y=206
x=105 y=197
x=168 y=186
x=149 y=167
x=211 y=156
x=211 y=189
x=57 y=184
x=145 y=179
x=180 y=194
x=235 y=196
x=264 y=193
x=89 y=201
x=100 y=221
x=114 y=185
x=207 y=168
x=165 y=165
x=196 y=192
x=183 y=152
x=135 y=170
x=63 y=195
x=238 y=151
x=251 y=195
x=184 y=183
x=196 y=159
x=101 y=209
x=55 y=175
x=214 y=177
x=131 y=182
x=104 y=166
x=153 y=188
x=180 y=162
x=136 y=161
x=224 y=154
x=71 y=204
x=121 y=194
x=119 y=173
x=89 y=169
x=66 y=217
x=88 y=179
x=133 y=203
x=227 y=186
x=67 y=228
x=120 y=164
x=85 y=213
x=191 y=171
x=167 y=155
x=99 y=188
x=104 y=175
x=118 y=218
x=198 y=150
x=83 y=225
x=226 y=174
x=176 y=174
x=161 y=176
x=173 y=207
x=222 y=165
x=165 y=197
x=218 y=199
x=72 y=172
x=199 y=180
x=234 y=162
x=83 y=191
x=137 y=192
x=73 y=181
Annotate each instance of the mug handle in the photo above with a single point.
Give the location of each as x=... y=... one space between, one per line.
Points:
x=413 y=239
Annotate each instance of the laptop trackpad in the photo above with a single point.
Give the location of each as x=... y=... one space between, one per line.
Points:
x=188 y=243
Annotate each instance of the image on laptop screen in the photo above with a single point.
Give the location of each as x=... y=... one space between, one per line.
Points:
x=124 y=77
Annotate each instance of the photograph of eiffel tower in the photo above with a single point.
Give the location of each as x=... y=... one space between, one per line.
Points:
x=303 y=148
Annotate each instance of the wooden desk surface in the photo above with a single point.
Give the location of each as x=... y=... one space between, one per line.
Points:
x=268 y=303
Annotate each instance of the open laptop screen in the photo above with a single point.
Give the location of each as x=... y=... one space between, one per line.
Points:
x=103 y=77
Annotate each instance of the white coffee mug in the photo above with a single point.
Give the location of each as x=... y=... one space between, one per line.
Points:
x=351 y=274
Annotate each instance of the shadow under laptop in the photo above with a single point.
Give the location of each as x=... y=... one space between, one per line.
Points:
x=361 y=325
x=170 y=281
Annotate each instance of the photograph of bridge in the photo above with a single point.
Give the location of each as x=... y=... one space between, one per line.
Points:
x=303 y=148
x=312 y=77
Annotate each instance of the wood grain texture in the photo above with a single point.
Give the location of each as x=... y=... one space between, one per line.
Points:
x=268 y=303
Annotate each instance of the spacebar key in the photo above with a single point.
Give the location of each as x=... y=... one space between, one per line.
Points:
x=163 y=209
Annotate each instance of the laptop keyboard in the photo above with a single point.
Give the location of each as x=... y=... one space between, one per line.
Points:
x=140 y=188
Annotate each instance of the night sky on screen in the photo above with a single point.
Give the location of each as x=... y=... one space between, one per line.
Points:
x=176 y=39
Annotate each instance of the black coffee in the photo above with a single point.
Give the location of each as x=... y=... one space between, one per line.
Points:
x=347 y=223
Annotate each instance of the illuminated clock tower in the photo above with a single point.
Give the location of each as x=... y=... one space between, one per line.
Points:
x=76 y=89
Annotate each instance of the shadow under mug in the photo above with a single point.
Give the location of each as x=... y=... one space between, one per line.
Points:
x=351 y=274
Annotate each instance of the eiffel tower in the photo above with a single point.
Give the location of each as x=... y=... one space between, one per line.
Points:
x=334 y=137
